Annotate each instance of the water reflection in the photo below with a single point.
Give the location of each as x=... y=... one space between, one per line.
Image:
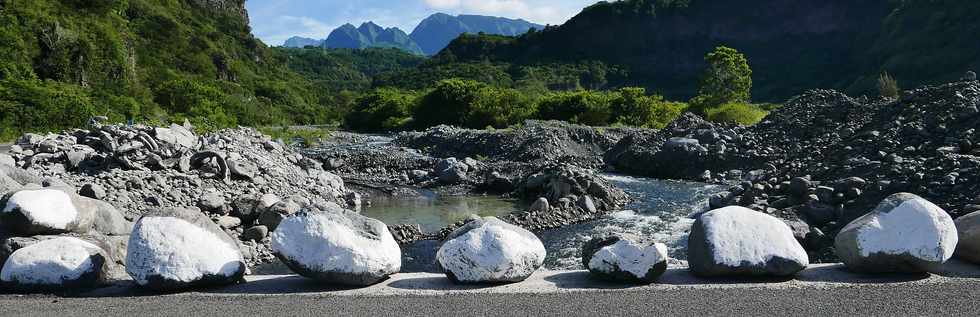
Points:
x=434 y=212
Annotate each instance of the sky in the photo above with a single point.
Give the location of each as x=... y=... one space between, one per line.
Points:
x=274 y=21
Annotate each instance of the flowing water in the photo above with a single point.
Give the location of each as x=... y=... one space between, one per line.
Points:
x=660 y=211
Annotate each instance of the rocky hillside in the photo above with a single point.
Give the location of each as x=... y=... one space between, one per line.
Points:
x=791 y=45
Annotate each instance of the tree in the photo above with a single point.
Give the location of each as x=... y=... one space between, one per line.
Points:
x=728 y=79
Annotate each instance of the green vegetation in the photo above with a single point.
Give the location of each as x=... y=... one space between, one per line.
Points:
x=142 y=60
x=739 y=113
x=728 y=80
x=305 y=136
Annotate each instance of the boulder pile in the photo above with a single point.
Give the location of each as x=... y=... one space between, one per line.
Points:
x=243 y=180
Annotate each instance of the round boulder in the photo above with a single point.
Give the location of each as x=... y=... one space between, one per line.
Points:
x=620 y=258
x=968 y=229
x=904 y=234
x=45 y=211
x=173 y=249
x=488 y=250
x=55 y=264
x=337 y=247
x=734 y=241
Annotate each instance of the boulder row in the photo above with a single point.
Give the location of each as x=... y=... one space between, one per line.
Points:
x=735 y=241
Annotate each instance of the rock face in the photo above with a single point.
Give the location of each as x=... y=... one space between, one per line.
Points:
x=337 y=247
x=905 y=233
x=173 y=249
x=968 y=229
x=487 y=250
x=739 y=241
x=57 y=264
x=44 y=211
x=625 y=259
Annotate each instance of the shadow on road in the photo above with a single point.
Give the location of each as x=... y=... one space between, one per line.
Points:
x=291 y=284
x=584 y=280
x=838 y=273
x=440 y=283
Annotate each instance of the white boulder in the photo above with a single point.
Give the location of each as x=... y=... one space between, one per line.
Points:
x=488 y=250
x=59 y=263
x=905 y=233
x=173 y=249
x=336 y=246
x=621 y=258
x=735 y=241
x=45 y=211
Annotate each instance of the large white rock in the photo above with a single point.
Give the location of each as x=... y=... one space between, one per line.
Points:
x=740 y=241
x=905 y=233
x=487 y=250
x=622 y=258
x=337 y=247
x=59 y=263
x=176 y=135
x=173 y=249
x=968 y=229
x=45 y=211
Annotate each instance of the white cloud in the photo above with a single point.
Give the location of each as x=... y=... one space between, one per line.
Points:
x=442 y=4
x=539 y=11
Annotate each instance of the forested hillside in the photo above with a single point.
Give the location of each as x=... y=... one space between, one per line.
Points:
x=62 y=62
x=792 y=45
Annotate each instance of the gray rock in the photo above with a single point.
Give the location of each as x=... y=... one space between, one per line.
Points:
x=905 y=233
x=93 y=191
x=7 y=160
x=624 y=258
x=586 y=203
x=255 y=233
x=969 y=76
x=540 y=205
x=799 y=187
x=176 y=136
x=212 y=201
x=243 y=169
x=272 y=216
x=228 y=222
x=177 y=248
x=108 y=220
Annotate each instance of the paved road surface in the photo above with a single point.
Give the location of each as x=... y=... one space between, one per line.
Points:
x=821 y=290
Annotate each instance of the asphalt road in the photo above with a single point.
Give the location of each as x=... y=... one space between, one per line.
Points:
x=821 y=290
x=955 y=298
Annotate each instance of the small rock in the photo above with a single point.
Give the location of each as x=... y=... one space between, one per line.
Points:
x=256 y=233
x=93 y=191
x=540 y=205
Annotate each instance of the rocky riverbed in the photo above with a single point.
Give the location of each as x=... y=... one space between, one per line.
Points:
x=816 y=164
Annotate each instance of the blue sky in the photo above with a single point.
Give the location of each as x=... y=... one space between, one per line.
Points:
x=274 y=21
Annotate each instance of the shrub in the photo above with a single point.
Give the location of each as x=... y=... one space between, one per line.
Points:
x=633 y=107
x=40 y=106
x=583 y=107
x=472 y=104
x=739 y=113
x=887 y=86
x=381 y=110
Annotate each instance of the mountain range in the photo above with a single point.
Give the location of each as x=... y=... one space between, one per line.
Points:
x=428 y=38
